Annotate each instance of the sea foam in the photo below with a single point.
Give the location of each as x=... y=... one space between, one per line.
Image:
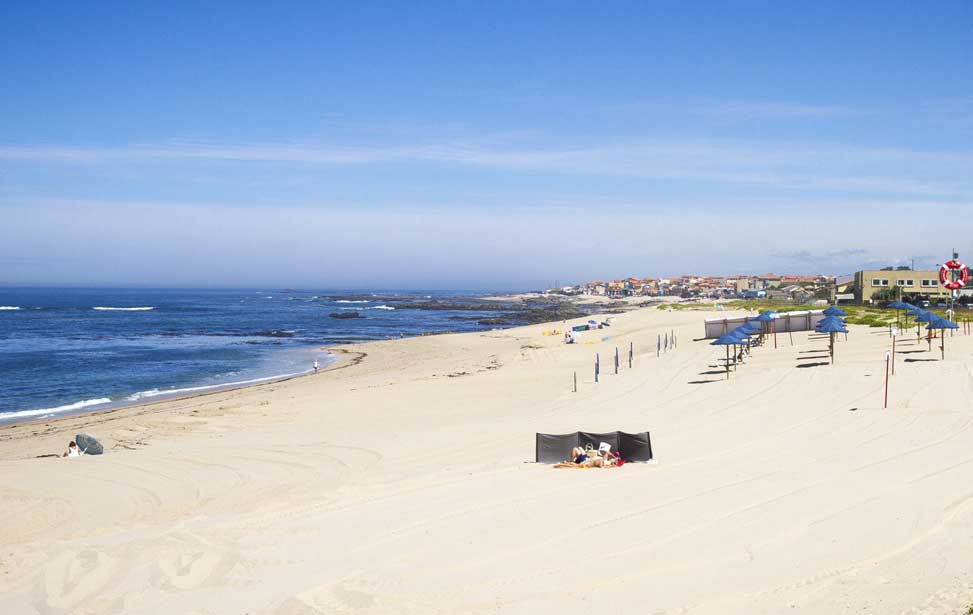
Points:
x=9 y=307
x=51 y=411
x=123 y=309
x=156 y=392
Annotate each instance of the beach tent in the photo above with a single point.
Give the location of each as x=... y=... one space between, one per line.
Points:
x=554 y=448
x=941 y=323
x=88 y=445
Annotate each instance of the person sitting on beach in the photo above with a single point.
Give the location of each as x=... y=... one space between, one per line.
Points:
x=73 y=450
x=581 y=459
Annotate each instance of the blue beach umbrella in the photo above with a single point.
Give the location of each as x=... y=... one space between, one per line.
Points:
x=922 y=316
x=750 y=328
x=831 y=326
x=915 y=313
x=835 y=311
x=763 y=318
x=898 y=306
x=828 y=321
x=940 y=323
x=726 y=340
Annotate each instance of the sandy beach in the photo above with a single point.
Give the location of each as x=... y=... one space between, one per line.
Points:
x=401 y=481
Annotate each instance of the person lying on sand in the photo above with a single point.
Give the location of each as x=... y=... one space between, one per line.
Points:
x=580 y=459
x=73 y=450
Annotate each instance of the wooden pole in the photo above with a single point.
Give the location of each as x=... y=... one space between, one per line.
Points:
x=575 y=382
x=631 y=351
x=727 y=361
x=893 y=355
x=774 y=325
x=597 y=365
x=616 y=360
x=886 y=380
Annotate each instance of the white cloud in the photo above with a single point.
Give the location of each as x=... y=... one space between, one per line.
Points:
x=761 y=164
x=748 y=110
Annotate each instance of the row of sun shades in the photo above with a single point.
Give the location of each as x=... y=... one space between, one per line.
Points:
x=933 y=321
x=831 y=323
x=740 y=335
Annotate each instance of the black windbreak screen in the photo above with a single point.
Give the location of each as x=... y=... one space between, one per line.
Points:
x=553 y=448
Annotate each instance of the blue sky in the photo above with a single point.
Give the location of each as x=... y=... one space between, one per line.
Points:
x=479 y=144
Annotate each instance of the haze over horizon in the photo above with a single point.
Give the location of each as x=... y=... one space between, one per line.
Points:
x=476 y=146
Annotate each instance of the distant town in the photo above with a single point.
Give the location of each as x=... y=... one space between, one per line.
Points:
x=864 y=287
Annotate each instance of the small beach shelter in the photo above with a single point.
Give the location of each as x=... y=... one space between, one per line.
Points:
x=828 y=320
x=898 y=306
x=915 y=313
x=831 y=326
x=834 y=310
x=743 y=333
x=726 y=340
x=764 y=318
x=926 y=318
x=940 y=323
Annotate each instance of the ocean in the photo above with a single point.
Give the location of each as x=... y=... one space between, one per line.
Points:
x=72 y=350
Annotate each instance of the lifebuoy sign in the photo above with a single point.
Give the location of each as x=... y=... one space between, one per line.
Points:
x=946 y=274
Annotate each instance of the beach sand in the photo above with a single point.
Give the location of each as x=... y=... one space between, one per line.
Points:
x=401 y=481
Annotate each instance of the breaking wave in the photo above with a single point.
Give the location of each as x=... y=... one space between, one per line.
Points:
x=122 y=309
x=51 y=411
x=157 y=392
x=9 y=307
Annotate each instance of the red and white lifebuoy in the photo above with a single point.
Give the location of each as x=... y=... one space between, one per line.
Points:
x=946 y=279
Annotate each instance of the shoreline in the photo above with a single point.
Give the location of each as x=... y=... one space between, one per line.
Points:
x=341 y=361
x=88 y=402
x=158 y=396
x=341 y=349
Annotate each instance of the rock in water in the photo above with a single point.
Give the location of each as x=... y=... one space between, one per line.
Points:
x=345 y=315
